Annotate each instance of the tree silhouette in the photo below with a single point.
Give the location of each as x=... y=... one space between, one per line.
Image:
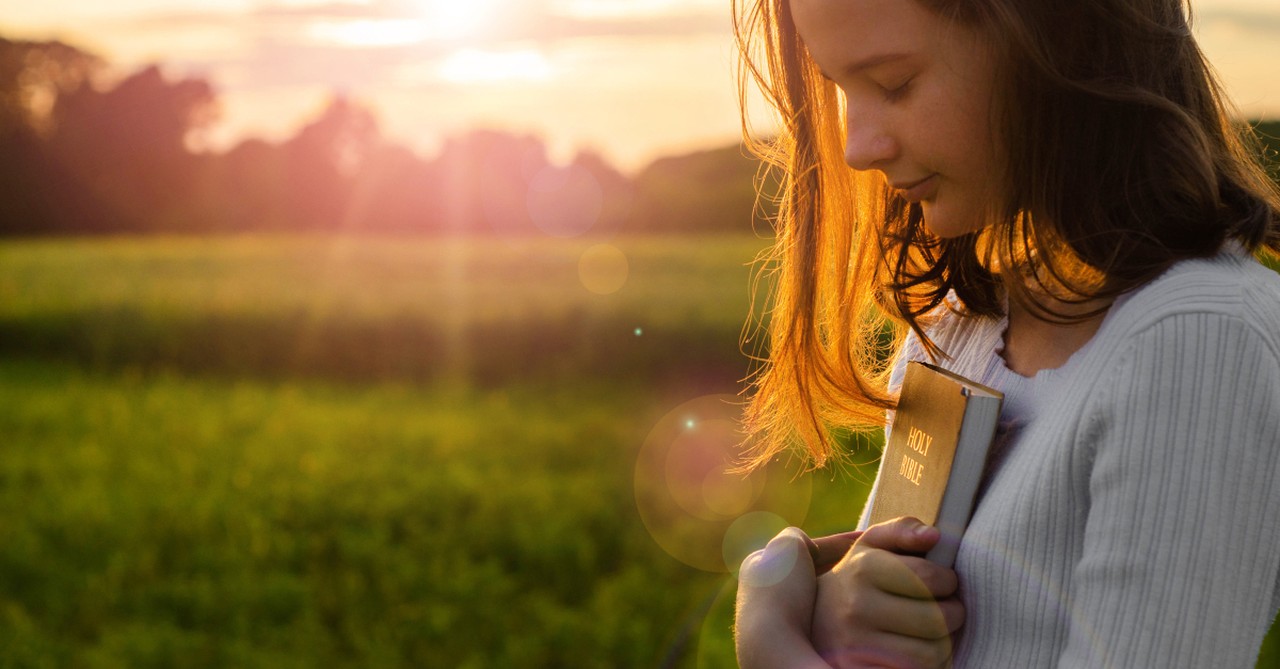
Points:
x=702 y=191
x=78 y=154
x=322 y=161
x=129 y=145
x=37 y=193
x=397 y=192
x=248 y=189
x=499 y=183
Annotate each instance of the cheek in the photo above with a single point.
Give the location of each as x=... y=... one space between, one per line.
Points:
x=956 y=140
x=961 y=113
x=969 y=147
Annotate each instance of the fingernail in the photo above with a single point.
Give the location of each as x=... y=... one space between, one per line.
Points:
x=804 y=539
x=771 y=565
x=924 y=531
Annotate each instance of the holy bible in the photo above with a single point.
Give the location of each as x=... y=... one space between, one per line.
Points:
x=936 y=453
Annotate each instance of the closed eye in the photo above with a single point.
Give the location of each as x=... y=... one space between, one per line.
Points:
x=896 y=94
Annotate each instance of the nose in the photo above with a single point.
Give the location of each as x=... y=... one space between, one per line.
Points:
x=868 y=143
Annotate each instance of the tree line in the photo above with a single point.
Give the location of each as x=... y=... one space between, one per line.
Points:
x=81 y=154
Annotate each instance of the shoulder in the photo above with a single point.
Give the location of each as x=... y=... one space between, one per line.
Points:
x=1193 y=358
x=1229 y=287
x=1205 y=325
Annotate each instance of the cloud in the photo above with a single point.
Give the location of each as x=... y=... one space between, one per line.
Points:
x=354 y=10
x=553 y=27
x=517 y=20
x=292 y=45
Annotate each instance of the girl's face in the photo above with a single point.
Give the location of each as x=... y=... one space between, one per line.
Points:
x=918 y=90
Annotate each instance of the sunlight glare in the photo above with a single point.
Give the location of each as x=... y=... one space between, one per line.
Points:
x=454 y=19
x=616 y=9
x=371 y=33
x=473 y=66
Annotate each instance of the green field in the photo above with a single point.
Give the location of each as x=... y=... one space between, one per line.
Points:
x=333 y=452
x=377 y=309
x=320 y=452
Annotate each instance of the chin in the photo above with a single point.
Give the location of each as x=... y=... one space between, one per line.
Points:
x=939 y=226
x=947 y=225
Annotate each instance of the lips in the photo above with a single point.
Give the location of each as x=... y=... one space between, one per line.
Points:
x=921 y=189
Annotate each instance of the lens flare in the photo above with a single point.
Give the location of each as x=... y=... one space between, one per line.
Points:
x=748 y=534
x=693 y=503
x=603 y=269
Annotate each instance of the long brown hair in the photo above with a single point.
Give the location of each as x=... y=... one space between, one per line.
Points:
x=1120 y=158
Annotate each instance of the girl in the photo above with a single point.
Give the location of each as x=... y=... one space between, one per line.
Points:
x=1049 y=198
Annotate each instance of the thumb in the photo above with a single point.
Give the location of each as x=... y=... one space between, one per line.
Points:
x=905 y=536
x=788 y=555
x=778 y=580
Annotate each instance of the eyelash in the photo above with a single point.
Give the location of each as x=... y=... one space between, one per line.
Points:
x=893 y=95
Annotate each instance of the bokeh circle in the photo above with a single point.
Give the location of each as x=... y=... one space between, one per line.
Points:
x=693 y=502
x=603 y=269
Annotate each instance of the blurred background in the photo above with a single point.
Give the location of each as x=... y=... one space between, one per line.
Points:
x=382 y=333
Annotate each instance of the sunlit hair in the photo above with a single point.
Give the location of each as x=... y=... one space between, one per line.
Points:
x=1120 y=157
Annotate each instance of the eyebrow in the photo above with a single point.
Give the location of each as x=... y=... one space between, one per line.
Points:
x=867 y=63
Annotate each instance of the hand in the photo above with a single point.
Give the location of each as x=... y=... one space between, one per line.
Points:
x=776 y=590
x=883 y=605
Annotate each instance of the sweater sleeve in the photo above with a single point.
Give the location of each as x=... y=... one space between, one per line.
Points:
x=1182 y=539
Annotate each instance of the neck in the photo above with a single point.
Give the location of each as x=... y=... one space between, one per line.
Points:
x=1032 y=344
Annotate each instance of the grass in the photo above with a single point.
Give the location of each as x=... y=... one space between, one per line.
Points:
x=335 y=452
x=163 y=521
x=320 y=452
x=158 y=521
x=377 y=309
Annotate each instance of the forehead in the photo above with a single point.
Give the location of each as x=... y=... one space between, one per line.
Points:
x=839 y=33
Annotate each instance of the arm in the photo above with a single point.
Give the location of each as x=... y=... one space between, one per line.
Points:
x=1180 y=558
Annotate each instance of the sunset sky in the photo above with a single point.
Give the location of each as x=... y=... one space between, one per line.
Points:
x=632 y=79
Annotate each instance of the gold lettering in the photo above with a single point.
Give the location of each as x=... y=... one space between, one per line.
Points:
x=910 y=469
x=919 y=441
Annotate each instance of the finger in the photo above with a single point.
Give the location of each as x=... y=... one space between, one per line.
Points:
x=937 y=581
x=886 y=613
x=904 y=535
x=891 y=651
x=831 y=549
x=777 y=585
x=953 y=612
x=900 y=575
x=916 y=618
x=787 y=556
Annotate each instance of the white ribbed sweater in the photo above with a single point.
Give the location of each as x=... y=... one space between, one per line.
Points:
x=1134 y=519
